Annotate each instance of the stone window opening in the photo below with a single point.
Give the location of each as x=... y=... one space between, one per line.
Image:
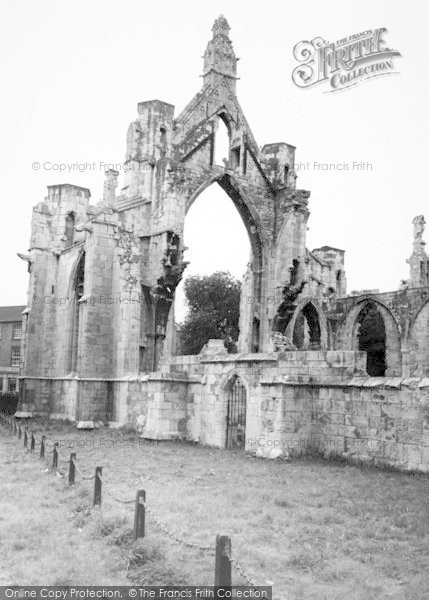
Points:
x=235 y=157
x=307 y=332
x=221 y=143
x=286 y=174
x=339 y=282
x=371 y=338
x=69 y=233
x=12 y=385
x=294 y=272
x=255 y=334
x=80 y=278
x=163 y=142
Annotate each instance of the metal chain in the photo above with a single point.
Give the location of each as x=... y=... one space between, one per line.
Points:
x=240 y=569
x=121 y=501
x=62 y=459
x=179 y=540
x=86 y=477
x=159 y=523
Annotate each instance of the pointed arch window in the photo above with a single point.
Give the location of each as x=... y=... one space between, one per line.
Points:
x=221 y=143
x=163 y=141
x=307 y=333
x=78 y=291
x=69 y=232
x=371 y=335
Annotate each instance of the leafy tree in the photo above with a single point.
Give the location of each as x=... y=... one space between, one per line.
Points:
x=213 y=311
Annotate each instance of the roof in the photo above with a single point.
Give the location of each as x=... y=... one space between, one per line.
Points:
x=325 y=248
x=9 y=314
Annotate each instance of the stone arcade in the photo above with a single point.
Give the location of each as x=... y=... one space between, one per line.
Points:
x=98 y=331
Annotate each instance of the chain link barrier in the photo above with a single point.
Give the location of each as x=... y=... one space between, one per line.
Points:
x=175 y=537
x=62 y=459
x=164 y=528
x=83 y=476
x=119 y=500
x=240 y=569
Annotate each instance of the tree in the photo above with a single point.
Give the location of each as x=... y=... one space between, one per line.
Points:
x=213 y=311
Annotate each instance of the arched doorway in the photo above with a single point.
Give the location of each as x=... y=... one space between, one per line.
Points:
x=371 y=338
x=236 y=414
x=220 y=235
x=307 y=332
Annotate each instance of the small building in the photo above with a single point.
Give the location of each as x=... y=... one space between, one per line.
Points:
x=10 y=347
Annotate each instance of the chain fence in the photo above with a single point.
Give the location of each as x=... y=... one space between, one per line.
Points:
x=141 y=508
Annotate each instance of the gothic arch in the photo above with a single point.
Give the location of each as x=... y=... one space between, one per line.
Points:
x=226 y=380
x=312 y=312
x=418 y=341
x=246 y=210
x=251 y=222
x=348 y=340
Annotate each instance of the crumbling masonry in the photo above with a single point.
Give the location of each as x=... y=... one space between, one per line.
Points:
x=99 y=339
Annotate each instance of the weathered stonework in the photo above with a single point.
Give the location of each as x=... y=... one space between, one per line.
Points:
x=99 y=339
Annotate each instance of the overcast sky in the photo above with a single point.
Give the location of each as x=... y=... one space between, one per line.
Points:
x=72 y=72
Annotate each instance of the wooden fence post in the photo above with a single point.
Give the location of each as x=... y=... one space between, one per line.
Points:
x=223 y=564
x=97 y=486
x=55 y=456
x=42 y=447
x=139 y=515
x=72 y=468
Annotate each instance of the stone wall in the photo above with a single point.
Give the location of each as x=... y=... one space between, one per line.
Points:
x=296 y=403
x=302 y=402
x=382 y=421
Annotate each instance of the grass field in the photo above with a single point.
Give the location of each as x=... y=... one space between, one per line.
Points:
x=316 y=530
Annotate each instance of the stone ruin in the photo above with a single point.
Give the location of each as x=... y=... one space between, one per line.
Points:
x=99 y=334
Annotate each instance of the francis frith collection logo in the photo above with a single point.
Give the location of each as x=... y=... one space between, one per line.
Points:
x=344 y=63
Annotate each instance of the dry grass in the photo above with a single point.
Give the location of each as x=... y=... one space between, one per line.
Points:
x=317 y=530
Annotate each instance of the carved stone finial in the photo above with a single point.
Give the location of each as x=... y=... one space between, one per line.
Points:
x=221 y=27
x=219 y=57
